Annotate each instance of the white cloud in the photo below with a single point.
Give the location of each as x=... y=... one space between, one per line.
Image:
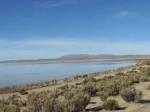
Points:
x=49 y=3
x=51 y=48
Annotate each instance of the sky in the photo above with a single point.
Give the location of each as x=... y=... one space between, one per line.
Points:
x=39 y=29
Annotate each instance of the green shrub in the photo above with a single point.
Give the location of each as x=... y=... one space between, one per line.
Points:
x=130 y=94
x=110 y=105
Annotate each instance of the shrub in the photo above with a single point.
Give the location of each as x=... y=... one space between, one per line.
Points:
x=77 y=77
x=65 y=87
x=78 y=84
x=144 y=78
x=55 y=93
x=90 y=88
x=85 y=75
x=23 y=91
x=110 y=105
x=130 y=94
x=111 y=88
x=135 y=79
x=47 y=101
x=6 y=106
x=133 y=68
x=60 y=106
x=103 y=95
x=14 y=99
x=78 y=102
x=90 y=79
x=148 y=87
x=69 y=94
x=120 y=74
x=107 y=77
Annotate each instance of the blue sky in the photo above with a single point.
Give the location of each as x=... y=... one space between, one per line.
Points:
x=35 y=29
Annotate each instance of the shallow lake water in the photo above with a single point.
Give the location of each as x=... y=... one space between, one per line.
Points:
x=21 y=74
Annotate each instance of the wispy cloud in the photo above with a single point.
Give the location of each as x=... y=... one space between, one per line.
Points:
x=122 y=14
x=51 y=48
x=50 y=3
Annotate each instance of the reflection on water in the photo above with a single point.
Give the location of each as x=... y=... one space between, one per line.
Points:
x=20 y=74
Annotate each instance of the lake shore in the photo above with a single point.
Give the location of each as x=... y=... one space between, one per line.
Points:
x=49 y=61
x=77 y=81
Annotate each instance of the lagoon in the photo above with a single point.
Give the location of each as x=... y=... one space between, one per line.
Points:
x=22 y=74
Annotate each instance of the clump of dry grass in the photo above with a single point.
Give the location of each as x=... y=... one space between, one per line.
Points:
x=103 y=95
x=110 y=105
x=130 y=94
x=90 y=88
x=148 y=87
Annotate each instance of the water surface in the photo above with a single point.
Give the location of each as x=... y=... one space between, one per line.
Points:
x=21 y=74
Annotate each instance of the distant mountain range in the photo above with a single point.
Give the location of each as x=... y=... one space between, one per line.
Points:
x=80 y=57
x=84 y=56
x=100 y=56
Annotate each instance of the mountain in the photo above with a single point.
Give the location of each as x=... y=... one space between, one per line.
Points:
x=80 y=57
x=84 y=56
x=100 y=56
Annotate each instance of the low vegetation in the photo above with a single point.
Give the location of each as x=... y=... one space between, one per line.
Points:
x=148 y=87
x=48 y=101
x=130 y=94
x=110 y=105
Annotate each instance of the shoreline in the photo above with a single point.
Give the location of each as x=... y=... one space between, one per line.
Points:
x=27 y=87
x=52 y=61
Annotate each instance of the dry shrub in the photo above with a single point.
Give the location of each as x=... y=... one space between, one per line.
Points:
x=103 y=95
x=89 y=79
x=23 y=91
x=74 y=101
x=130 y=94
x=6 y=106
x=148 y=87
x=110 y=105
x=120 y=74
x=90 y=88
